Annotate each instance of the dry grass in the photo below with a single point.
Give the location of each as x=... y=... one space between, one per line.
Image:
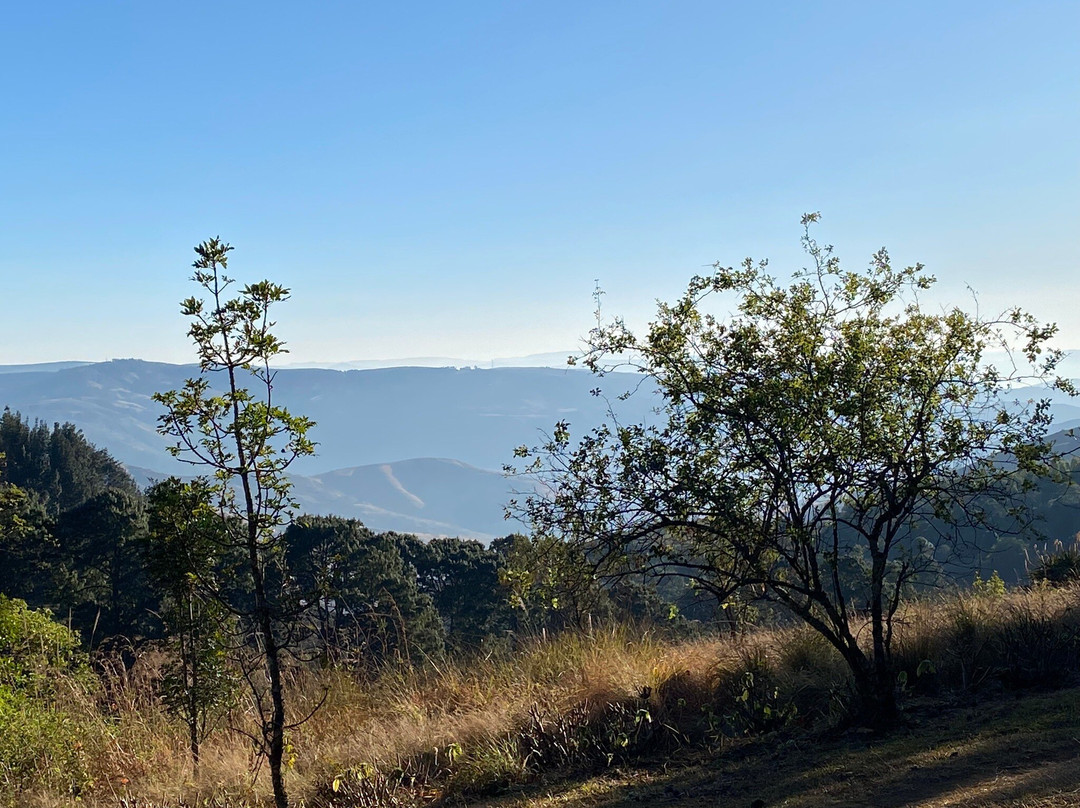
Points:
x=572 y=702
x=1018 y=752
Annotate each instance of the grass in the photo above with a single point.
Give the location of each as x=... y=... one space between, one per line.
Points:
x=964 y=754
x=643 y=720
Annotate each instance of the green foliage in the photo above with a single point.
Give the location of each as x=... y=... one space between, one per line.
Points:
x=750 y=699
x=104 y=584
x=69 y=520
x=183 y=550
x=992 y=587
x=13 y=507
x=586 y=736
x=59 y=466
x=39 y=743
x=461 y=577
x=832 y=413
x=246 y=442
x=40 y=747
x=549 y=584
x=33 y=647
x=369 y=609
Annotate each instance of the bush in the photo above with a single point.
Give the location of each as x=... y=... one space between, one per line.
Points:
x=1059 y=567
x=40 y=743
x=34 y=648
x=992 y=587
x=750 y=697
x=41 y=746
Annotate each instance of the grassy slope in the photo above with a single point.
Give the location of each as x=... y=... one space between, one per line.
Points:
x=508 y=717
x=1013 y=750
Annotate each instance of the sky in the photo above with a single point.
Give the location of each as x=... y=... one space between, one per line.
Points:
x=453 y=179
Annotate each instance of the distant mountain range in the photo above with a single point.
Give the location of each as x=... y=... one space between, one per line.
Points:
x=378 y=430
x=363 y=417
x=414 y=449
x=426 y=496
x=552 y=359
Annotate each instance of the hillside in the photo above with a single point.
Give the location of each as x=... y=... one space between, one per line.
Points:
x=412 y=449
x=426 y=496
x=615 y=717
x=379 y=431
x=1019 y=751
x=362 y=416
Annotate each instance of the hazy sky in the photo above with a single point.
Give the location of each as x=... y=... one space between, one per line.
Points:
x=450 y=178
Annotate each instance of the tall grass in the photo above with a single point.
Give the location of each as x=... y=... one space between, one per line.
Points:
x=571 y=702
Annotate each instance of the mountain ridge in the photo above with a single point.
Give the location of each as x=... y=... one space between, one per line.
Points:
x=426 y=495
x=411 y=449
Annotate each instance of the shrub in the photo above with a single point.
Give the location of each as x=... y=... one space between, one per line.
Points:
x=750 y=696
x=33 y=647
x=1058 y=567
x=992 y=587
x=41 y=744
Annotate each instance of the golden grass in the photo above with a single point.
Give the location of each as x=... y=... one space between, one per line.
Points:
x=1017 y=752
x=457 y=724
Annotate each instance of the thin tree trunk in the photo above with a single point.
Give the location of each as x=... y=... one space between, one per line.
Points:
x=878 y=694
x=274 y=728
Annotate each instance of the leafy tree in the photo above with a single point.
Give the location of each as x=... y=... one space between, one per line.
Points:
x=461 y=576
x=59 y=466
x=27 y=547
x=549 y=584
x=97 y=562
x=368 y=607
x=78 y=513
x=184 y=545
x=17 y=523
x=247 y=442
x=833 y=413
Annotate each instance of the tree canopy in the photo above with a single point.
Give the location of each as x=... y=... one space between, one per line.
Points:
x=832 y=417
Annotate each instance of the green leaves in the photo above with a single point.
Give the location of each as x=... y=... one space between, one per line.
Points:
x=233 y=433
x=833 y=413
x=245 y=442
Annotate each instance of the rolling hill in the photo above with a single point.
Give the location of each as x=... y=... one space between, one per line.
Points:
x=362 y=416
x=414 y=449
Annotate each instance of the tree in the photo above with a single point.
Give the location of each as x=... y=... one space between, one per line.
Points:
x=59 y=466
x=23 y=536
x=368 y=606
x=247 y=442
x=461 y=576
x=833 y=416
x=97 y=561
x=183 y=552
x=549 y=584
x=80 y=513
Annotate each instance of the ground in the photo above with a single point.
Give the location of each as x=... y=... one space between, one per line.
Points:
x=1015 y=749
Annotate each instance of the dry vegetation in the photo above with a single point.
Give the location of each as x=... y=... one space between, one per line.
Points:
x=598 y=703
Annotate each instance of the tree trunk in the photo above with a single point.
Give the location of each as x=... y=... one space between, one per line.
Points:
x=877 y=697
x=273 y=729
x=193 y=729
x=277 y=725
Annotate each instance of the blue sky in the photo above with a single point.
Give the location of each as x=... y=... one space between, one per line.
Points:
x=450 y=178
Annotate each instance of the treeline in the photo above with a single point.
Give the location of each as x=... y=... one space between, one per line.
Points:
x=74 y=538
x=77 y=537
